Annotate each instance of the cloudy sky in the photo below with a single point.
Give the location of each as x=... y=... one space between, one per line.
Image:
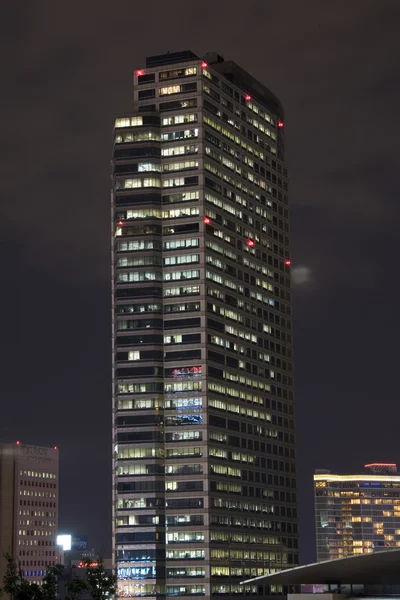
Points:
x=66 y=72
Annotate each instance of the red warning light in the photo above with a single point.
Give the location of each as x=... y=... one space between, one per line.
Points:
x=139 y=72
x=17 y=443
x=204 y=64
x=280 y=123
x=55 y=448
x=288 y=262
x=247 y=97
x=250 y=243
x=120 y=223
x=207 y=220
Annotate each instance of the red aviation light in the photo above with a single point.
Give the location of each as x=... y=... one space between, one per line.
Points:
x=288 y=262
x=55 y=448
x=120 y=223
x=139 y=72
x=207 y=220
x=247 y=97
x=280 y=124
x=18 y=443
x=204 y=64
x=250 y=243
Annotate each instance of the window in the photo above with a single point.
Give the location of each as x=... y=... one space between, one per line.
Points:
x=134 y=355
x=182 y=197
x=125 y=184
x=185 y=554
x=149 y=167
x=179 y=119
x=172 y=89
x=145 y=94
x=172 y=339
x=182 y=259
x=143 y=213
x=179 y=135
x=181 y=166
x=178 y=213
x=182 y=291
x=177 y=104
x=131 y=276
x=177 y=89
x=177 y=150
x=180 y=244
x=136 y=245
x=173 y=74
x=177 y=275
x=147 y=78
x=185 y=536
x=129 y=122
x=142 y=136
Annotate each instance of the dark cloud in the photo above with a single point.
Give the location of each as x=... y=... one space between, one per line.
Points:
x=66 y=74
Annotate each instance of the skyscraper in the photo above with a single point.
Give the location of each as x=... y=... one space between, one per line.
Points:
x=29 y=507
x=357 y=514
x=204 y=488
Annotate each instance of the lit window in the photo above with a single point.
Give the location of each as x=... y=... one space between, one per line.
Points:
x=171 y=89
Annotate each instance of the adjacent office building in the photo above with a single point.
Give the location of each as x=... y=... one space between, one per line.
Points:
x=204 y=491
x=29 y=507
x=357 y=514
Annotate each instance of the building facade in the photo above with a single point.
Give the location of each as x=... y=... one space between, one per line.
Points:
x=357 y=514
x=29 y=507
x=204 y=483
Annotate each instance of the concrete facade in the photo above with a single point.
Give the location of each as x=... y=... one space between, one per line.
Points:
x=204 y=486
x=29 y=507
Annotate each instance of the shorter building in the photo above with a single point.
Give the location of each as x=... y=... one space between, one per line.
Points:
x=29 y=507
x=371 y=576
x=75 y=568
x=357 y=514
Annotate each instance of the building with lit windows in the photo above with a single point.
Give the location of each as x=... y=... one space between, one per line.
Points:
x=29 y=507
x=204 y=449
x=357 y=514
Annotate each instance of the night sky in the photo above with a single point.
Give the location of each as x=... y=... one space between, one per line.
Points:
x=66 y=72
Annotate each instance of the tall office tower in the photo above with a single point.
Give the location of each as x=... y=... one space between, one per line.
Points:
x=357 y=514
x=29 y=507
x=204 y=456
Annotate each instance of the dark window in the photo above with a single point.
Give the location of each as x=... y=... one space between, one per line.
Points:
x=177 y=104
x=144 y=94
x=216 y=356
x=139 y=199
x=185 y=503
x=180 y=323
x=217 y=421
x=140 y=372
x=133 y=340
x=183 y=355
x=126 y=153
x=139 y=292
x=148 y=78
x=186 y=228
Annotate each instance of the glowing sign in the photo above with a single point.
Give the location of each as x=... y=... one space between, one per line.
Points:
x=186 y=372
x=64 y=541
